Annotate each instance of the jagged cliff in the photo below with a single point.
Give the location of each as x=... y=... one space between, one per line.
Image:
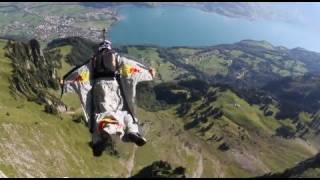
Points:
x=34 y=73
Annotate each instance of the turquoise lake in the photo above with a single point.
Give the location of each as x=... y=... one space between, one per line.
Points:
x=171 y=25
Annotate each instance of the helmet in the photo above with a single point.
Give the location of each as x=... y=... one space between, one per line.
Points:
x=105 y=45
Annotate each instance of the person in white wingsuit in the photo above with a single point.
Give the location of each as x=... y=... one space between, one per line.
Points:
x=106 y=85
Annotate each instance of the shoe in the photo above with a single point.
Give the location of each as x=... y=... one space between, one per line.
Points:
x=137 y=139
x=99 y=146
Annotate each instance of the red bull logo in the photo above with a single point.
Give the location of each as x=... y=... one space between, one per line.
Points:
x=82 y=77
x=128 y=70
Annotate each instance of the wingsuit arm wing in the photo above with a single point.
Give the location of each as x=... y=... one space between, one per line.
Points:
x=132 y=73
x=78 y=81
x=135 y=70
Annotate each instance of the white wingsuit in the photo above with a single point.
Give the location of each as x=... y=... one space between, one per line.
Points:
x=103 y=97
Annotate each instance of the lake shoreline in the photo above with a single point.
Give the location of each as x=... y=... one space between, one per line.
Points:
x=171 y=25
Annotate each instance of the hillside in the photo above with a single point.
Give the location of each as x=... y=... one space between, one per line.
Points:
x=257 y=71
x=38 y=144
x=306 y=169
x=205 y=128
x=248 y=63
x=239 y=134
x=296 y=94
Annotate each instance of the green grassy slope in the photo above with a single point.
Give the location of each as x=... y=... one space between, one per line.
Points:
x=253 y=148
x=308 y=168
x=37 y=144
x=249 y=63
